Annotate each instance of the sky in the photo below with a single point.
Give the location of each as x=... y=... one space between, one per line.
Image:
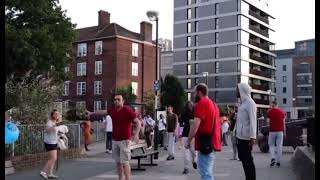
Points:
x=295 y=19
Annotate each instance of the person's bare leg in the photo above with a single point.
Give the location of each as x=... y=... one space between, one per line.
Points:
x=127 y=171
x=120 y=171
x=53 y=159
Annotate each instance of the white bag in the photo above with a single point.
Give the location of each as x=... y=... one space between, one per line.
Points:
x=62 y=144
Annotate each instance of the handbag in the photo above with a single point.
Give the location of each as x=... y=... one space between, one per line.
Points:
x=205 y=141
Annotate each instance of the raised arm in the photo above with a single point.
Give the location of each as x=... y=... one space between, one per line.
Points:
x=137 y=126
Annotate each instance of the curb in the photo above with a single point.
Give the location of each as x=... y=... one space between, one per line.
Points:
x=303 y=162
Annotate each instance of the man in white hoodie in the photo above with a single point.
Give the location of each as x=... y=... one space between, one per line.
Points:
x=246 y=126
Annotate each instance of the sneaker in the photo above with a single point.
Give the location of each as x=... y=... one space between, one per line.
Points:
x=195 y=166
x=185 y=171
x=44 y=175
x=52 y=176
x=170 y=158
x=278 y=164
x=110 y=151
x=148 y=148
x=165 y=148
x=107 y=151
x=272 y=162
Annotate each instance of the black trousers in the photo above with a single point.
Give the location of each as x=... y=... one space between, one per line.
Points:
x=148 y=138
x=245 y=156
x=161 y=138
x=109 y=141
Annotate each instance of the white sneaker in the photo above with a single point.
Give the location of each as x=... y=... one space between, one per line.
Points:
x=110 y=151
x=44 y=175
x=149 y=148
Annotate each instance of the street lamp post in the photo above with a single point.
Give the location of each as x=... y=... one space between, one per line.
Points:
x=206 y=74
x=153 y=16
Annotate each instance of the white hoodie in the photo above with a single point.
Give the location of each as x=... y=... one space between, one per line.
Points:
x=246 y=125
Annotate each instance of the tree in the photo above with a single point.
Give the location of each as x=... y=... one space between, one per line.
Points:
x=149 y=101
x=31 y=98
x=173 y=93
x=38 y=37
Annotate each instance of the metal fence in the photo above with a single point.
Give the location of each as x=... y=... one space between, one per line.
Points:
x=31 y=138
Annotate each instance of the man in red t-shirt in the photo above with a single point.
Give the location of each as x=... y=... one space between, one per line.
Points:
x=206 y=117
x=276 y=117
x=122 y=118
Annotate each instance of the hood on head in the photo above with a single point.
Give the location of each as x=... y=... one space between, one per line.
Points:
x=244 y=90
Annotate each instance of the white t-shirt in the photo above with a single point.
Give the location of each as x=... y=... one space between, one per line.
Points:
x=161 y=124
x=225 y=127
x=50 y=137
x=108 y=123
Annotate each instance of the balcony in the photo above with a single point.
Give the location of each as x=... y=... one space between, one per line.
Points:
x=264 y=46
x=258 y=30
x=260 y=87
x=300 y=82
x=261 y=101
x=260 y=73
x=304 y=93
x=260 y=59
x=258 y=16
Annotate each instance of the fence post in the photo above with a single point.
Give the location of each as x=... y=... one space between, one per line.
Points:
x=12 y=149
x=79 y=136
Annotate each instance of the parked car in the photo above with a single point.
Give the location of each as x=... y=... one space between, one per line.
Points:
x=294 y=135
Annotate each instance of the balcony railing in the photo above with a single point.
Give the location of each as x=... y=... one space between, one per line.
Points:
x=258 y=16
x=260 y=59
x=304 y=82
x=304 y=93
x=260 y=73
x=259 y=87
x=264 y=46
x=257 y=30
x=261 y=101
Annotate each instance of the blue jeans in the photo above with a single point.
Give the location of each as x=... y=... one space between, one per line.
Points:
x=205 y=166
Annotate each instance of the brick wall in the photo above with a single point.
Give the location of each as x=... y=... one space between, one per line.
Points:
x=39 y=159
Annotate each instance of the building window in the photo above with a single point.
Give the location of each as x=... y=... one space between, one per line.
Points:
x=189 y=96
x=284 y=90
x=81 y=69
x=134 y=69
x=216 y=52
x=196 y=68
x=217 y=8
x=275 y=90
x=189 y=83
x=189 y=27
x=188 y=41
x=216 y=37
x=98 y=68
x=196 y=81
x=196 y=40
x=134 y=88
x=135 y=49
x=217 y=67
x=284 y=68
x=189 y=2
x=66 y=88
x=216 y=23
x=81 y=105
x=188 y=69
x=196 y=26
x=196 y=54
x=82 y=49
x=67 y=69
x=98 y=47
x=98 y=87
x=189 y=13
x=284 y=100
x=304 y=68
x=188 y=55
x=216 y=82
x=195 y=12
x=284 y=78
x=81 y=88
x=97 y=106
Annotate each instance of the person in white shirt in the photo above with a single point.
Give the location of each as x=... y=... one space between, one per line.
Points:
x=225 y=129
x=149 y=131
x=162 y=128
x=108 y=130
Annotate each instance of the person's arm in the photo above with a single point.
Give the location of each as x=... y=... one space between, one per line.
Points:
x=193 y=130
x=284 y=125
x=177 y=123
x=252 y=112
x=137 y=127
x=100 y=113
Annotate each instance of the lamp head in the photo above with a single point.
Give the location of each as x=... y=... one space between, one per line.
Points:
x=153 y=15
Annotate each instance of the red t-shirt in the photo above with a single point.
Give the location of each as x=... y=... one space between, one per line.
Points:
x=277 y=117
x=121 y=123
x=207 y=112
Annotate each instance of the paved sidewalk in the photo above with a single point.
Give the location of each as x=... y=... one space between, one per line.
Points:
x=100 y=166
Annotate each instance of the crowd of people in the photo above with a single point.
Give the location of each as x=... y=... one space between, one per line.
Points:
x=200 y=129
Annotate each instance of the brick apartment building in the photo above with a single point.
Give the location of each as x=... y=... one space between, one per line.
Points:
x=106 y=57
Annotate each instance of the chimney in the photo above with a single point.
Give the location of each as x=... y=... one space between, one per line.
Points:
x=104 y=18
x=146 y=31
